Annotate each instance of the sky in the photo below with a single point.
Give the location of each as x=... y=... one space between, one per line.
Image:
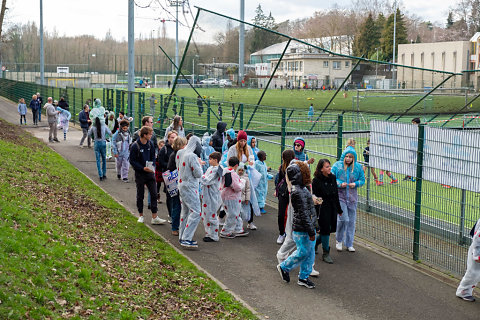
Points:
x=97 y=17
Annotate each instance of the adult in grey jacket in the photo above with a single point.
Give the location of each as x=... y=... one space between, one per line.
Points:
x=52 y=120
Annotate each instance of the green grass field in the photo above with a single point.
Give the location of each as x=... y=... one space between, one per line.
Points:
x=68 y=250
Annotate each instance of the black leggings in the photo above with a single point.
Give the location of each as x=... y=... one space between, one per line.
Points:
x=282 y=213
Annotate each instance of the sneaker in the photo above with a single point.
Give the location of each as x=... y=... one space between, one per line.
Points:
x=101 y=178
x=227 y=235
x=158 y=220
x=351 y=249
x=175 y=233
x=306 y=283
x=314 y=273
x=379 y=183
x=467 y=298
x=413 y=179
x=446 y=186
x=119 y=177
x=394 y=181
x=284 y=274
x=169 y=220
x=406 y=178
x=188 y=244
x=81 y=146
x=251 y=226
x=208 y=239
x=242 y=233
x=50 y=140
x=338 y=246
x=104 y=177
x=262 y=210
x=281 y=238
x=140 y=219
x=56 y=140
x=125 y=180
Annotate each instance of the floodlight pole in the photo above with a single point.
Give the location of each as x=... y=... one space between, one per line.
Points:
x=131 y=57
x=176 y=4
x=42 y=54
x=394 y=77
x=241 y=44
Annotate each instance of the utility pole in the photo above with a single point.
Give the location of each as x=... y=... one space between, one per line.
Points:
x=42 y=57
x=131 y=58
x=394 y=77
x=241 y=44
x=176 y=4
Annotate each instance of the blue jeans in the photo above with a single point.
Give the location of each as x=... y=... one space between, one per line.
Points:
x=100 y=148
x=303 y=256
x=175 y=209
x=346 y=223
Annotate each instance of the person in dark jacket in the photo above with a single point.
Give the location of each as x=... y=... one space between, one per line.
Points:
x=281 y=192
x=304 y=221
x=63 y=104
x=324 y=187
x=142 y=159
x=217 y=137
x=162 y=160
x=35 y=106
x=85 y=122
x=40 y=103
x=175 y=205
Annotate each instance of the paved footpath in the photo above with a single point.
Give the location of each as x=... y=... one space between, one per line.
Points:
x=371 y=283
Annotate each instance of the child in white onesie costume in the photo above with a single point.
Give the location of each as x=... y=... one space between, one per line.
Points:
x=472 y=275
x=211 y=199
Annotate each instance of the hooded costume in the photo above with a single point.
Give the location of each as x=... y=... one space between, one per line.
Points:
x=310 y=112
x=262 y=189
x=207 y=150
x=231 y=134
x=255 y=150
x=232 y=200
x=217 y=137
x=472 y=275
x=121 y=141
x=245 y=210
x=348 y=196
x=300 y=155
x=64 y=117
x=211 y=200
x=189 y=174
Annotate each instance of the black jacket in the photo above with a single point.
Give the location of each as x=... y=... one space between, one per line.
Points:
x=64 y=105
x=304 y=214
x=217 y=137
x=171 y=161
x=164 y=156
x=326 y=188
x=140 y=154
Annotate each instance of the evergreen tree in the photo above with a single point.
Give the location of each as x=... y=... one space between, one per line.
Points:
x=260 y=38
x=401 y=34
x=368 y=38
x=449 y=20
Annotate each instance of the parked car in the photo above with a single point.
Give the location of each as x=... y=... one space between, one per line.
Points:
x=209 y=81
x=225 y=83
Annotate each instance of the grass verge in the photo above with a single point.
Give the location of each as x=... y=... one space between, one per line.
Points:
x=68 y=250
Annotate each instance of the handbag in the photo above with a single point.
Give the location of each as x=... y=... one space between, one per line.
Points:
x=170 y=179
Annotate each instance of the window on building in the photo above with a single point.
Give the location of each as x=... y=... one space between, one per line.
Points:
x=433 y=61
x=301 y=65
x=325 y=64
x=296 y=65
x=443 y=61
x=347 y=64
x=336 y=65
x=422 y=60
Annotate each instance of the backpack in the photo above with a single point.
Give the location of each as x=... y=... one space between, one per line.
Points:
x=281 y=187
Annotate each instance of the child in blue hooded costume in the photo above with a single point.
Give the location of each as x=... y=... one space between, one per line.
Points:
x=252 y=142
x=262 y=189
x=207 y=150
x=64 y=118
x=350 y=176
x=310 y=112
x=298 y=149
x=230 y=137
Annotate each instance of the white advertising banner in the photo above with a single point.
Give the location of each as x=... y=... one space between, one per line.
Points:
x=451 y=157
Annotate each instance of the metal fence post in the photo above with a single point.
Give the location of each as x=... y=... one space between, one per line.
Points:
x=241 y=116
x=182 y=108
x=418 y=193
x=103 y=98
x=367 y=200
x=74 y=115
x=208 y=116
x=284 y=125
x=461 y=235
x=339 y=136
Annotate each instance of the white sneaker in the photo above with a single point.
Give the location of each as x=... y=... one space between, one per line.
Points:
x=251 y=226
x=351 y=249
x=140 y=219
x=158 y=220
x=338 y=246
x=314 y=273
x=281 y=238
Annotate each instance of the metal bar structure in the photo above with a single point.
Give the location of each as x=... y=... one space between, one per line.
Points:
x=266 y=87
x=425 y=96
x=460 y=110
x=334 y=95
x=418 y=193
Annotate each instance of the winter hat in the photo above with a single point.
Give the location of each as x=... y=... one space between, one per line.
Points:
x=300 y=142
x=241 y=166
x=242 y=135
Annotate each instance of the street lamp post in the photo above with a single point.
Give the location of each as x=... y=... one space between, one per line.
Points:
x=394 y=40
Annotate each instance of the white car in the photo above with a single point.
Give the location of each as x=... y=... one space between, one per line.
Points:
x=209 y=81
x=225 y=83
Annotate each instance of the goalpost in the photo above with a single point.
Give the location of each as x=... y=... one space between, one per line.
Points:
x=161 y=80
